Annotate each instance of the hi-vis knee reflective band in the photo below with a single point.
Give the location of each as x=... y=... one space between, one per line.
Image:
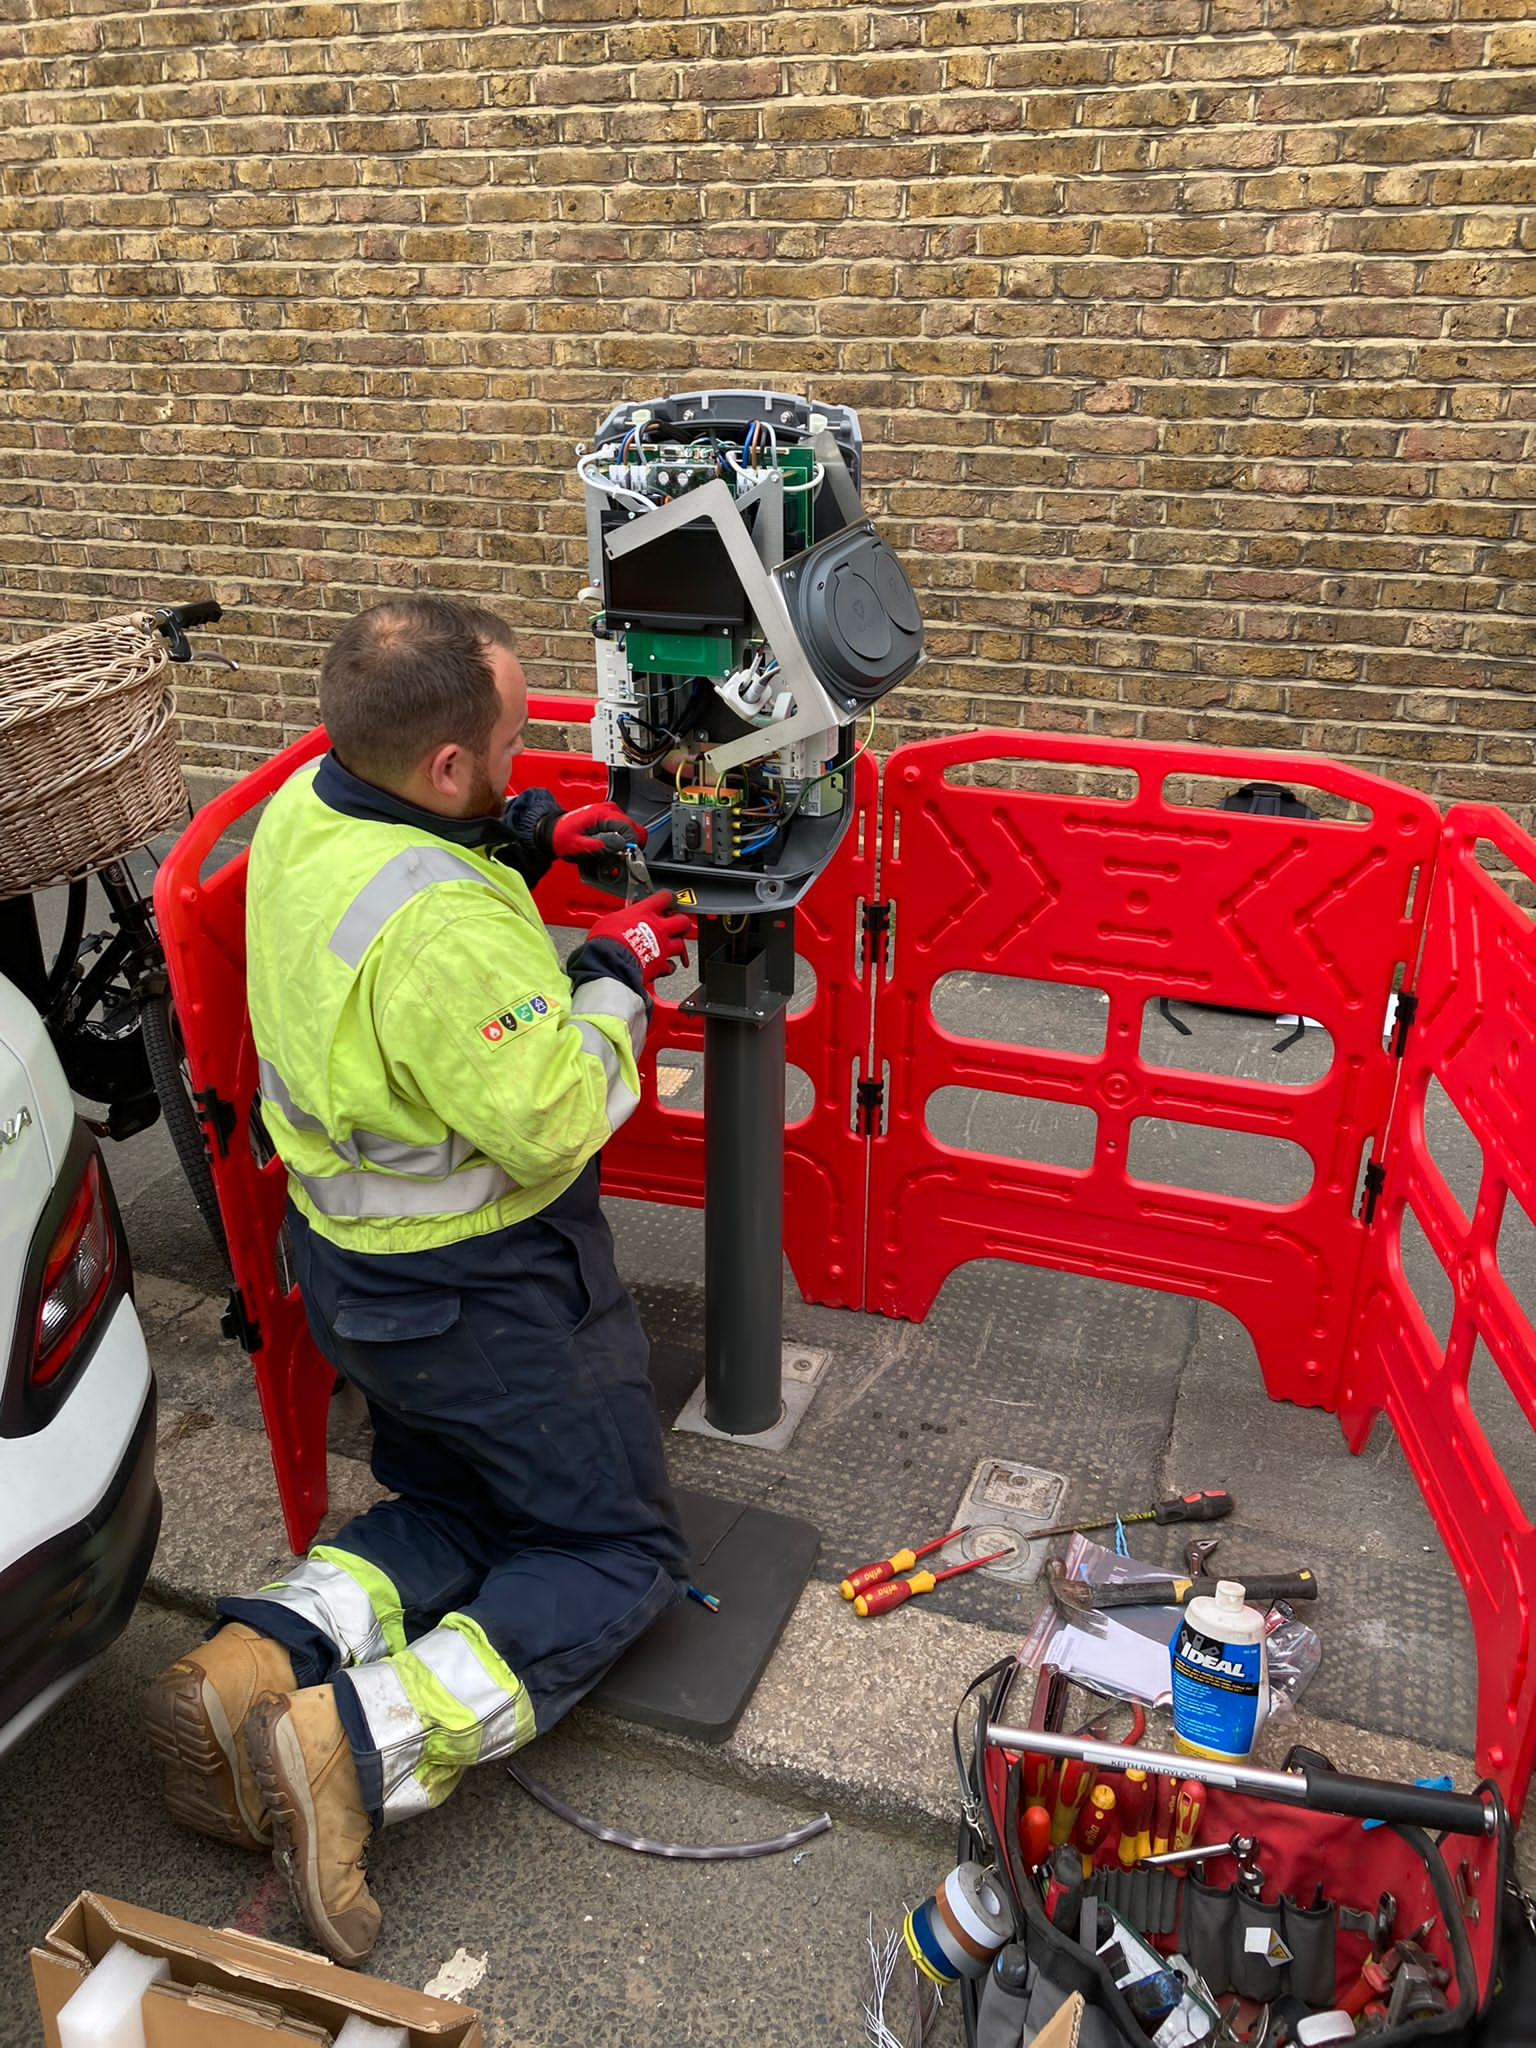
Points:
x=347 y=1598
x=432 y=1710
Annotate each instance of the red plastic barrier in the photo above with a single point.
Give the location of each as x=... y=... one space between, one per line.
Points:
x=658 y=1156
x=1475 y=1034
x=1141 y=899
x=202 y=927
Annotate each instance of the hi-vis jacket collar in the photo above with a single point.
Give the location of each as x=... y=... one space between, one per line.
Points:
x=337 y=786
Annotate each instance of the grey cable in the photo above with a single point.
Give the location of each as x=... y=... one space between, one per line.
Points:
x=687 y=1852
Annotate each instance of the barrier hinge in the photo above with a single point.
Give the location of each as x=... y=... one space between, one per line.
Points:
x=871 y=1100
x=216 y=1114
x=1407 y=1010
x=1375 y=1181
x=238 y=1324
x=878 y=921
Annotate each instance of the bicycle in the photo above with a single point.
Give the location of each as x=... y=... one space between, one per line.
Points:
x=104 y=996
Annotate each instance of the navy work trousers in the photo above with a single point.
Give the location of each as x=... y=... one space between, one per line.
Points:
x=514 y=1422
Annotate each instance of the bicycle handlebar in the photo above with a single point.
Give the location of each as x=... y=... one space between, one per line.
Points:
x=203 y=612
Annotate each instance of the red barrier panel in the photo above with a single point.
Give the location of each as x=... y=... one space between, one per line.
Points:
x=1141 y=898
x=1475 y=1035
x=658 y=1156
x=202 y=927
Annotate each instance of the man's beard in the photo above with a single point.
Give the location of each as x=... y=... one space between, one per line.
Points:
x=483 y=799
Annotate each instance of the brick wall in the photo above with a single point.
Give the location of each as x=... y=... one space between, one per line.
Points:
x=1195 y=363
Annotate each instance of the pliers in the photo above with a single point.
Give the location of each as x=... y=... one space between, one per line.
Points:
x=1097 y=1730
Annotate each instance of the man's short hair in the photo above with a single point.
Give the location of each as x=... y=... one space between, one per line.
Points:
x=406 y=676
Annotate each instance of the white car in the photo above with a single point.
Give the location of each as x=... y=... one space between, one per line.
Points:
x=79 y=1507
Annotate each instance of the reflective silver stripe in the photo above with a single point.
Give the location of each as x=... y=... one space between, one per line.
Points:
x=399 y=1735
x=402 y=1155
x=395 y=884
x=364 y=1194
x=416 y=1773
x=276 y=1089
x=506 y=1719
x=446 y=1156
x=334 y=1602
x=620 y=1100
x=607 y=997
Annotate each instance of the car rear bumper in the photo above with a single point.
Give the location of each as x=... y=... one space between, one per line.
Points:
x=63 y=1603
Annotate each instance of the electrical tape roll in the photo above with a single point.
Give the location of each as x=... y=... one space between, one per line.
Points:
x=958 y=1931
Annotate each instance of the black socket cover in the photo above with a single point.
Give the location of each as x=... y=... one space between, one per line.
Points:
x=855 y=614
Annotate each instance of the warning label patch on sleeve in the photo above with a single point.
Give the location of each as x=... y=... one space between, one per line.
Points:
x=516 y=1017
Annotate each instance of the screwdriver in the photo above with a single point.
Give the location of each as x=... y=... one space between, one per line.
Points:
x=1075 y=1784
x=1040 y=1774
x=1094 y=1822
x=868 y=1575
x=1035 y=1835
x=881 y=1599
x=1162 y=1815
x=1208 y=1506
x=1188 y=1812
x=1135 y=1797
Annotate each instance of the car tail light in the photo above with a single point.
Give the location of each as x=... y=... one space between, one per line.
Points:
x=77 y=1276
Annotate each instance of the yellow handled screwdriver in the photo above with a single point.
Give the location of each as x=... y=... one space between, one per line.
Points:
x=867 y=1575
x=881 y=1599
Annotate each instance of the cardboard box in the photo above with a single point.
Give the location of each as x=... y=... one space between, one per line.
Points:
x=1064 y=2026
x=231 y=1990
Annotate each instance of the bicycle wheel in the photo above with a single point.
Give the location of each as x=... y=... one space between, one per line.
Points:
x=166 y=1055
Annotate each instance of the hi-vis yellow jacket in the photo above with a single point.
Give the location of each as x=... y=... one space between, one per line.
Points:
x=429 y=1071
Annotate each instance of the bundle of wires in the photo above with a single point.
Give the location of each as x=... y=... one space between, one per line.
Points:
x=788 y=814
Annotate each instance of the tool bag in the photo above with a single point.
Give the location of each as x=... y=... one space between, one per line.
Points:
x=1483 y=1926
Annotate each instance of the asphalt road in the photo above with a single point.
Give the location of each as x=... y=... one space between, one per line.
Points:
x=583 y=1943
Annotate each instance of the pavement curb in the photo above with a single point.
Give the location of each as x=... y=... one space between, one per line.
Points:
x=853 y=1719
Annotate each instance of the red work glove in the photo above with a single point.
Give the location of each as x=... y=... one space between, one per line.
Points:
x=654 y=930
x=573 y=835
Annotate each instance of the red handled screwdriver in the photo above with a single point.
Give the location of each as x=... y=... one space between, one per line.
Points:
x=867 y=1575
x=1075 y=1783
x=1035 y=1835
x=881 y=1599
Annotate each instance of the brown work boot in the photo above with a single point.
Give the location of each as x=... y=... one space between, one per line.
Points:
x=194 y=1713
x=303 y=1764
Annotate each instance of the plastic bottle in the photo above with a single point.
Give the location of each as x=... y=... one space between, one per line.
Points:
x=1220 y=1683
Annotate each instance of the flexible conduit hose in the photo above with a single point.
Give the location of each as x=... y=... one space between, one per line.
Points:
x=684 y=1852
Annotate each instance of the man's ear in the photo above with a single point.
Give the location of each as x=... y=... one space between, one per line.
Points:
x=441 y=768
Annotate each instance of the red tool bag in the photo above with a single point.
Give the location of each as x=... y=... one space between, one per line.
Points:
x=1321 y=1911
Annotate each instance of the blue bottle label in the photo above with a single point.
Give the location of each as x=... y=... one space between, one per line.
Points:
x=1215 y=1693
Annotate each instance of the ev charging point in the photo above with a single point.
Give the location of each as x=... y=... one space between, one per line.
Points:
x=750 y=616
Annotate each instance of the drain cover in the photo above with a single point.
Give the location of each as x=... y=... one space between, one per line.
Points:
x=1003 y=1503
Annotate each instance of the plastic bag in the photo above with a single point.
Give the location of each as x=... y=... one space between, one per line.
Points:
x=1126 y=1652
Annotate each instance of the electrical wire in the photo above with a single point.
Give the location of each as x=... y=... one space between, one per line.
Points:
x=687 y=1852
x=610 y=489
x=792 y=811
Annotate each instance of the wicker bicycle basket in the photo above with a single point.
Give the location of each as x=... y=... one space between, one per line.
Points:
x=88 y=759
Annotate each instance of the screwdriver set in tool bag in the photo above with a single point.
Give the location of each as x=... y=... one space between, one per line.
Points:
x=1293 y=1906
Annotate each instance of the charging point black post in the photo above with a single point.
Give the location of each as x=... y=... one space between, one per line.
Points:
x=696 y=1670
x=746 y=978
